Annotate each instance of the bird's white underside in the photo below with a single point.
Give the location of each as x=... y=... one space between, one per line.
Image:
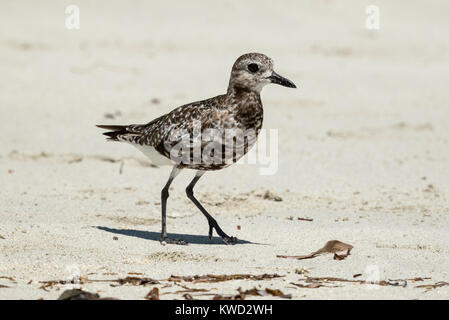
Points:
x=154 y=156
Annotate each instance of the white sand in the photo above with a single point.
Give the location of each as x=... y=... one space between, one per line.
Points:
x=363 y=146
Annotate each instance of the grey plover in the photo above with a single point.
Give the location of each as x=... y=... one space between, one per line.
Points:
x=180 y=136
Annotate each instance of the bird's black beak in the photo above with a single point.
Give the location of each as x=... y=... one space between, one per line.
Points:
x=275 y=78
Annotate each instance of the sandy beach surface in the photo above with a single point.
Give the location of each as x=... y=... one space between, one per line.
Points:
x=363 y=150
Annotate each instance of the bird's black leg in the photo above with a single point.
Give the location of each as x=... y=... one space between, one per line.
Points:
x=212 y=222
x=164 y=197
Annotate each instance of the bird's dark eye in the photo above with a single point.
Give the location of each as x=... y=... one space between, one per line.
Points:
x=253 y=67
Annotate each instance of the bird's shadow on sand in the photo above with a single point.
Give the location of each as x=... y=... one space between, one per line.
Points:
x=156 y=236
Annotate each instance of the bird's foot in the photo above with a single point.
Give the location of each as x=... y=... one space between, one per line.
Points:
x=167 y=240
x=226 y=239
x=229 y=240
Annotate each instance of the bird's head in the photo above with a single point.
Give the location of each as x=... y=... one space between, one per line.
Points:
x=252 y=71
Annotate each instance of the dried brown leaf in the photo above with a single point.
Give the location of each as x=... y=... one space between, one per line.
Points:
x=153 y=294
x=340 y=250
x=278 y=293
x=335 y=246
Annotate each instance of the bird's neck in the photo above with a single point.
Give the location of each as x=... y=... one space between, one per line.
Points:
x=242 y=95
x=246 y=106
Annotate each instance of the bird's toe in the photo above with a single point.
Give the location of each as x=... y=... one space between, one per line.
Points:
x=173 y=241
x=229 y=240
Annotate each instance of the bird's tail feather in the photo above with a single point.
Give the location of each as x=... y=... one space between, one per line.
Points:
x=116 y=131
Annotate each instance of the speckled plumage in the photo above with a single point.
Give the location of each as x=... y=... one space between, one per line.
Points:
x=206 y=135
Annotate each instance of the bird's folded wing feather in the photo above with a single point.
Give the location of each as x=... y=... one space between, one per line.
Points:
x=187 y=121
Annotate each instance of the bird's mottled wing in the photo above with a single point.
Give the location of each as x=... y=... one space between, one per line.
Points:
x=183 y=127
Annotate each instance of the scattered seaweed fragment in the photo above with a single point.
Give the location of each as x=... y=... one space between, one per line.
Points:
x=219 y=278
x=7 y=278
x=257 y=292
x=433 y=286
x=253 y=292
x=309 y=285
x=317 y=282
x=304 y=219
x=136 y=281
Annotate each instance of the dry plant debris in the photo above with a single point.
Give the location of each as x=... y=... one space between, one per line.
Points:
x=7 y=278
x=192 y=290
x=219 y=278
x=51 y=283
x=433 y=286
x=257 y=292
x=136 y=281
x=309 y=286
x=304 y=219
x=253 y=292
x=317 y=282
